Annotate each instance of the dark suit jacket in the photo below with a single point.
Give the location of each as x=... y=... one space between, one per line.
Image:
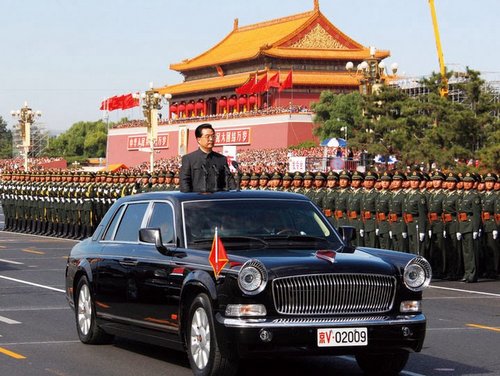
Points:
x=202 y=172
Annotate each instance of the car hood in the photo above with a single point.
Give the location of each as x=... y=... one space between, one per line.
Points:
x=281 y=262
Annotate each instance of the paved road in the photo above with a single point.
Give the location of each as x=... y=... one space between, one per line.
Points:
x=38 y=335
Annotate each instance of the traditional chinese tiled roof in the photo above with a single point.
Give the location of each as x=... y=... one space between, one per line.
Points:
x=300 y=78
x=305 y=35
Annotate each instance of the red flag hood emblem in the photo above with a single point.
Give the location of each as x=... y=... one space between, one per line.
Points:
x=327 y=255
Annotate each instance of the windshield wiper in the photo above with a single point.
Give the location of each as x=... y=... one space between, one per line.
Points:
x=233 y=239
x=307 y=238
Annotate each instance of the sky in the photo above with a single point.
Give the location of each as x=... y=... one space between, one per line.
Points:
x=65 y=56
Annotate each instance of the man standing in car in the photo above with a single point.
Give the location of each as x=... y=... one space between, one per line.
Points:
x=205 y=170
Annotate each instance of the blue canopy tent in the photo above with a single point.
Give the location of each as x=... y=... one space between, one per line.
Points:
x=334 y=142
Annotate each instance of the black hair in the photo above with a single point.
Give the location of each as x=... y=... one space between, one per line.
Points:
x=200 y=128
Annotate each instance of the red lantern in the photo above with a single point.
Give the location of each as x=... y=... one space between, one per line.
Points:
x=190 y=107
x=173 y=108
x=198 y=105
x=232 y=102
x=252 y=99
x=181 y=108
x=222 y=103
x=242 y=100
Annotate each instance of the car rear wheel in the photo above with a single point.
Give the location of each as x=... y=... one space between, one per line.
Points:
x=204 y=353
x=386 y=364
x=88 y=330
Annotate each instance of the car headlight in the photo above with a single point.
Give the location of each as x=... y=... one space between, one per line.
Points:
x=252 y=277
x=417 y=274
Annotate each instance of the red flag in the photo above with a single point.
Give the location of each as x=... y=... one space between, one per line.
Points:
x=218 y=256
x=246 y=88
x=274 y=81
x=104 y=105
x=114 y=103
x=129 y=101
x=260 y=86
x=288 y=83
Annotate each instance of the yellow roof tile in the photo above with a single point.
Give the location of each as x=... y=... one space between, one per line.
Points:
x=248 y=42
x=339 y=54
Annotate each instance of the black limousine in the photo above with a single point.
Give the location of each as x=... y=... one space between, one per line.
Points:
x=229 y=275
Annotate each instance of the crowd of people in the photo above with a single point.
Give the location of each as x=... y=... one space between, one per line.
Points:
x=17 y=163
x=451 y=220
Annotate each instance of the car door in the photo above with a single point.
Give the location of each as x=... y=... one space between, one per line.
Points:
x=157 y=309
x=116 y=292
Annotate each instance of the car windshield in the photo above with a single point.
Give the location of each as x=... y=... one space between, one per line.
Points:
x=258 y=224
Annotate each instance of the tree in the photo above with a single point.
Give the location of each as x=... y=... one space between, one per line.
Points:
x=5 y=140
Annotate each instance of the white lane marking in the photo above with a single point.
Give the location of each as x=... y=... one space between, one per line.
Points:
x=32 y=284
x=8 y=321
x=469 y=291
x=11 y=262
x=352 y=359
x=37 y=343
x=442 y=329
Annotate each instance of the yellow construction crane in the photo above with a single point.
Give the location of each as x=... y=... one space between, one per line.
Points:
x=444 y=80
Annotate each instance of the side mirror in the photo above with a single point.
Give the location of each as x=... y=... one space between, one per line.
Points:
x=152 y=236
x=348 y=233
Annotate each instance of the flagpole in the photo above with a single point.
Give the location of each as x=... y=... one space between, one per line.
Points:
x=216 y=246
x=107 y=130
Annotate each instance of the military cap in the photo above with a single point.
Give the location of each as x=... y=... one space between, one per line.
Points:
x=399 y=175
x=245 y=176
x=145 y=175
x=438 y=175
x=356 y=175
x=287 y=176
x=254 y=176
x=277 y=175
x=298 y=176
x=332 y=175
x=386 y=176
x=169 y=174
x=452 y=177
x=415 y=175
x=371 y=176
x=264 y=176
x=123 y=175
x=319 y=176
x=308 y=176
x=162 y=174
x=177 y=174
x=344 y=174
x=490 y=177
x=469 y=176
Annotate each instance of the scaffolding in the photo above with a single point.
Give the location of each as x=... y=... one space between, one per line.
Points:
x=39 y=140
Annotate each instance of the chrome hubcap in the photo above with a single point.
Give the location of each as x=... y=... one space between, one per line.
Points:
x=84 y=310
x=200 y=338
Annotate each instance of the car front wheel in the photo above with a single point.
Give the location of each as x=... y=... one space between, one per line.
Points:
x=205 y=356
x=86 y=325
x=386 y=364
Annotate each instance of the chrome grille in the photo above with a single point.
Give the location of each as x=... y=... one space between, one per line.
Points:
x=334 y=294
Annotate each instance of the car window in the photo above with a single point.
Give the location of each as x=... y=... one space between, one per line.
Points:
x=128 y=230
x=162 y=218
x=112 y=226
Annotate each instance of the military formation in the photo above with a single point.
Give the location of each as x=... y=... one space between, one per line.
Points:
x=450 y=219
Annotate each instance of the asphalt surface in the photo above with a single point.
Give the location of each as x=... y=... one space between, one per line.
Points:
x=38 y=334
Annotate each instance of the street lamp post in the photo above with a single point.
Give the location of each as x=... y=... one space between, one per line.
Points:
x=26 y=117
x=373 y=72
x=151 y=103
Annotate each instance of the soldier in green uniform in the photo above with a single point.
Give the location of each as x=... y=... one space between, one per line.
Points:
x=263 y=181
x=415 y=215
x=145 y=183
x=490 y=227
x=382 y=209
x=354 y=207
x=344 y=191
x=469 y=221
x=275 y=182
x=369 y=211
x=297 y=182
x=318 y=189
x=436 y=197
x=287 y=182
x=329 y=197
x=453 y=247
x=398 y=231
x=307 y=185
x=254 y=182
x=244 y=181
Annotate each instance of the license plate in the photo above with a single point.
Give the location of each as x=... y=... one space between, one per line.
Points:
x=342 y=337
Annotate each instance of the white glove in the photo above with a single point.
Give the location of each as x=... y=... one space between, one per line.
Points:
x=361 y=232
x=421 y=236
x=495 y=234
x=459 y=236
x=390 y=235
x=430 y=234
x=377 y=231
x=404 y=235
x=480 y=232
x=475 y=235
x=444 y=234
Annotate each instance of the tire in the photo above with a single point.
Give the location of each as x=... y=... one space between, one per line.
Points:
x=86 y=325
x=386 y=364
x=205 y=356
